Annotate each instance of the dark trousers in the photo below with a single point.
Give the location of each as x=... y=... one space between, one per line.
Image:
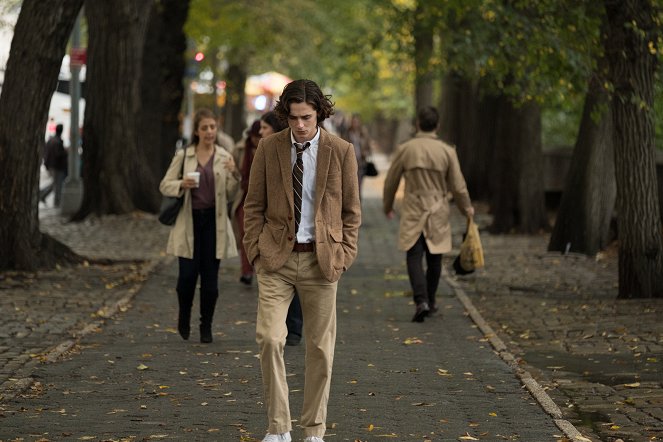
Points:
x=424 y=285
x=295 y=319
x=203 y=263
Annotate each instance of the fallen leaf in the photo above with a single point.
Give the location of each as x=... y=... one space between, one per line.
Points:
x=633 y=385
x=371 y=427
x=467 y=437
x=142 y=367
x=415 y=340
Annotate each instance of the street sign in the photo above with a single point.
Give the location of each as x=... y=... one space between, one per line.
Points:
x=77 y=57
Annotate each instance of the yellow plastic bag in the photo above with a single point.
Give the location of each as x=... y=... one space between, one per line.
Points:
x=471 y=252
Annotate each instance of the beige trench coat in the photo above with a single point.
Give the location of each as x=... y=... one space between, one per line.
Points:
x=431 y=171
x=180 y=241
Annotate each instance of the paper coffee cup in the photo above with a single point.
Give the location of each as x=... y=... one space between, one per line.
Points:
x=195 y=176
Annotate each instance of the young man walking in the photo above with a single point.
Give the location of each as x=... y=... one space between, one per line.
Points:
x=301 y=223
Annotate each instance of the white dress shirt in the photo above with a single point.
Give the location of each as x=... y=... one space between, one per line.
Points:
x=306 y=232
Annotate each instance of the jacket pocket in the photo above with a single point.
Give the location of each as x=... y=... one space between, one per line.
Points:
x=338 y=254
x=270 y=238
x=336 y=235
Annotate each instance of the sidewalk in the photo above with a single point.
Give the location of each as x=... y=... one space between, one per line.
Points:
x=123 y=373
x=135 y=378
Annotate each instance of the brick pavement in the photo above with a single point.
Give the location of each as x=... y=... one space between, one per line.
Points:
x=599 y=359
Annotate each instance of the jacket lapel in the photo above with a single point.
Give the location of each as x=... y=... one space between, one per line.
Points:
x=283 y=151
x=322 y=167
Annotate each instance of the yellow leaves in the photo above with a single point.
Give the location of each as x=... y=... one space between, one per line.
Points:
x=652 y=48
x=371 y=427
x=489 y=16
x=633 y=385
x=467 y=437
x=615 y=427
x=142 y=367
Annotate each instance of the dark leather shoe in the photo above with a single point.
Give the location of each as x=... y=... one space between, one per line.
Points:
x=246 y=279
x=421 y=312
x=293 y=339
x=433 y=309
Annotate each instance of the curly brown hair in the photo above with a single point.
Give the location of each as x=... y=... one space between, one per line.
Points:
x=304 y=91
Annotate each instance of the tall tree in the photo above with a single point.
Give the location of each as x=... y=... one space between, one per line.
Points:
x=162 y=87
x=632 y=50
x=423 y=30
x=518 y=203
x=116 y=173
x=39 y=43
x=588 y=199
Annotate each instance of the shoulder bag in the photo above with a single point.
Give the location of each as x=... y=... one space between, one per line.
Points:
x=171 y=205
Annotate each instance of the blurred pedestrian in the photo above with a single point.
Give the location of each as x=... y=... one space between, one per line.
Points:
x=223 y=139
x=243 y=156
x=55 y=161
x=270 y=123
x=357 y=134
x=301 y=219
x=431 y=171
x=202 y=234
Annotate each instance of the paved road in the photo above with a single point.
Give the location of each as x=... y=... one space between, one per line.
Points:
x=134 y=378
x=553 y=316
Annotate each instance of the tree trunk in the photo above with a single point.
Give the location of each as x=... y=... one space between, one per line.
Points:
x=162 y=87
x=517 y=175
x=423 y=52
x=631 y=51
x=117 y=177
x=234 y=112
x=39 y=43
x=588 y=201
x=459 y=116
x=386 y=132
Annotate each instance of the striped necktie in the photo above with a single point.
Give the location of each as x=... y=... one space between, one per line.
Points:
x=297 y=179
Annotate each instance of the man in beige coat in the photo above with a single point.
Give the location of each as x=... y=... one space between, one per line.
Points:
x=303 y=246
x=431 y=171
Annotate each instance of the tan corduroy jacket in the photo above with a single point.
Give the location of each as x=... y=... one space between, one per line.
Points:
x=269 y=225
x=180 y=241
x=431 y=171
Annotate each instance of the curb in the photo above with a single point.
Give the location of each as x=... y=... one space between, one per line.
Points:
x=535 y=389
x=23 y=380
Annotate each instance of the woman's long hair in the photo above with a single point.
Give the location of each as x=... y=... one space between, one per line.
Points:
x=200 y=115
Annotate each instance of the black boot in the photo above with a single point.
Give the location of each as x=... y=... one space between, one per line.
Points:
x=205 y=333
x=184 y=317
x=207 y=305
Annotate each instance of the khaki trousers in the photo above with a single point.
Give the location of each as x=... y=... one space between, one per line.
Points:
x=318 y=300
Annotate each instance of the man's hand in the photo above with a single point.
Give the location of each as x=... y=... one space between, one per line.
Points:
x=390 y=215
x=470 y=212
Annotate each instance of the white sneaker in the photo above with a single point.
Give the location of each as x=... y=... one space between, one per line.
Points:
x=313 y=439
x=283 y=437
